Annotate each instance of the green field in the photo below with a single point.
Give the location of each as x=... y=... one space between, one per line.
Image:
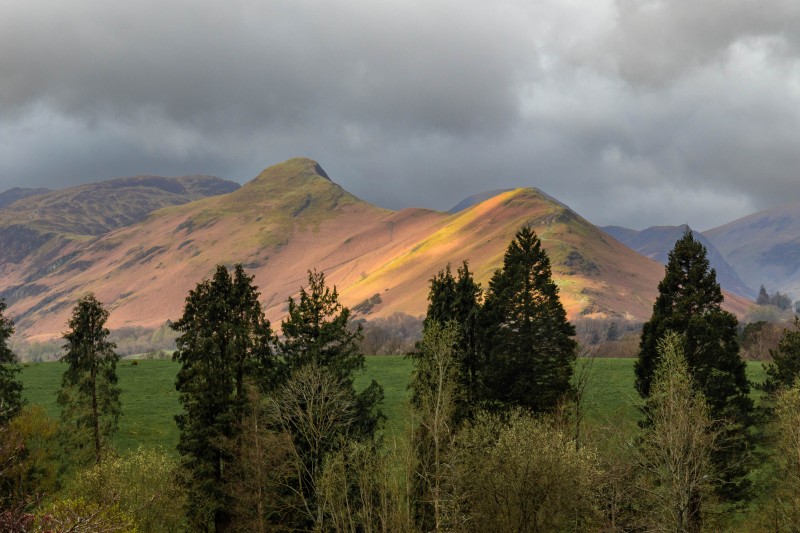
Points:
x=149 y=399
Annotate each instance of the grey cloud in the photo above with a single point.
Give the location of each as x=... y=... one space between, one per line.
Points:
x=631 y=112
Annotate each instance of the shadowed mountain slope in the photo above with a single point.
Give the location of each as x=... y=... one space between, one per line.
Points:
x=292 y=218
x=764 y=248
x=18 y=193
x=657 y=241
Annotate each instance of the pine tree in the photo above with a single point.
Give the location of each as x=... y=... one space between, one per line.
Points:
x=528 y=340
x=457 y=300
x=689 y=303
x=763 y=297
x=89 y=395
x=224 y=343
x=10 y=387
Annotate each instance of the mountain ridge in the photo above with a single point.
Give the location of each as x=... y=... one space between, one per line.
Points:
x=291 y=218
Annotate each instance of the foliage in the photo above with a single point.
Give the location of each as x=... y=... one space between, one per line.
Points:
x=224 y=340
x=457 y=300
x=517 y=473
x=785 y=505
x=437 y=392
x=678 y=442
x=392 y=335
x=758 y=338
x=29 y=456
x=689 y=303
x=260 y=469
x=360 y=491
x=141 y=484
x=10 y=387
x=89 y=395
x=528 y=340
x=77 y=515
x=784 y=369
x=316 y=333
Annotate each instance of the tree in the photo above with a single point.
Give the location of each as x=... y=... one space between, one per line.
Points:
x=785 y=366
x=763 y=297
x=10 y=387
x=458 y=300
x=322 y=355
x=517 y=472
x=316 y=333
x=436 y=397
x=528 y=340
x=225 y=340
x=689 y=303
x=785 y=506
x=89 y=395
x=677 y=446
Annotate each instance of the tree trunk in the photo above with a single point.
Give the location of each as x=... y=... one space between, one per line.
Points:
x=95 y=414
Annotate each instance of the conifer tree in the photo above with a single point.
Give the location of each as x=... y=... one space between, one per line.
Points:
x=457 y=300
x=89 y=395
x=689 y=303
x=224 y=343
x=10 y=387
x=784 y=369
x=528 y=340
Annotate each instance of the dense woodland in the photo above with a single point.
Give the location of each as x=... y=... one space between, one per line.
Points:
x=275 y=436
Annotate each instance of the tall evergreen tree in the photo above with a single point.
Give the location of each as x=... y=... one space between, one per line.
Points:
x=457 y=300
x=689 y=303
x=89 y=395
x=10 y=387
x=528 y=340
x=225 y=341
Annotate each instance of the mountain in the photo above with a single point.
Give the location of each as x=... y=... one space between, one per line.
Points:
x=43 y=223
x=292 y=218
x=18 y=193
x=657 y=241
x=764 y=248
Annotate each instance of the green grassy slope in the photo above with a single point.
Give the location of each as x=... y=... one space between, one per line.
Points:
x=149 y=399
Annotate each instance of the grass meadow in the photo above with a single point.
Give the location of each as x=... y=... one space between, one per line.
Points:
x=150 y=402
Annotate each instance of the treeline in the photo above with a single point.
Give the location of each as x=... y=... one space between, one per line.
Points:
x=275 y=437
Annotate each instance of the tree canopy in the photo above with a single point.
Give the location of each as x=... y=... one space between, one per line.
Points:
x=10 y=387
x=528 y=340
x=89 y=395
x=225 y=340
x=689 y=303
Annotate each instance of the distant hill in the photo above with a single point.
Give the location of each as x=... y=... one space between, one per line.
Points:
x=657 y=241
x=474 y=199
x=764 y=248
x=45 y=222
x=18 y=193
x=292 y=218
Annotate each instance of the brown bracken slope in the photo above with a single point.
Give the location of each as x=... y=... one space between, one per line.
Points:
x=292 y=218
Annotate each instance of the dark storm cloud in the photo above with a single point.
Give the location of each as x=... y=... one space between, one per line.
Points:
x=632 y=112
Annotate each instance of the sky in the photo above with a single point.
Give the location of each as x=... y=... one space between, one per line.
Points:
x=632 y=112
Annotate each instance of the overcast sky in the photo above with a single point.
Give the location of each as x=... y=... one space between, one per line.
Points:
x=632 y=112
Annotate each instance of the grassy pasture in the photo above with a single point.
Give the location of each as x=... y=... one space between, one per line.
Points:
x=149 y=399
